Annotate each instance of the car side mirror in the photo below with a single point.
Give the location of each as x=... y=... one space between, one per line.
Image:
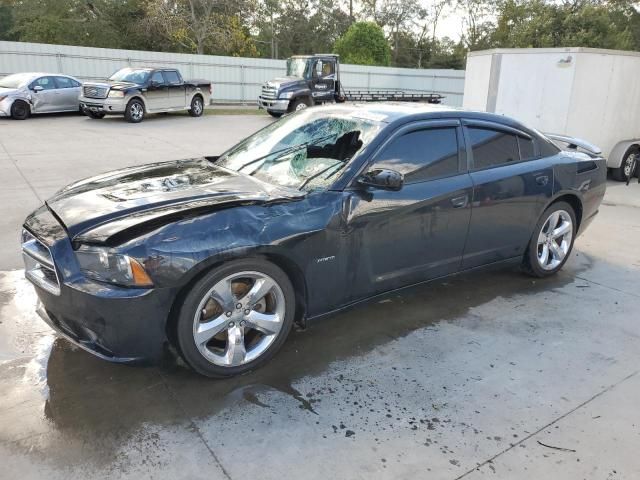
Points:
x=38 y=88
x=382 y=178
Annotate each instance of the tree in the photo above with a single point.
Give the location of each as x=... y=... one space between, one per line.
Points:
x=364 y=44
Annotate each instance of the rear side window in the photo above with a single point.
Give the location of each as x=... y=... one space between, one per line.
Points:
x=65 y=82
x=422 y=154
x=493 y=147
x=527 y=151
x=172 y=77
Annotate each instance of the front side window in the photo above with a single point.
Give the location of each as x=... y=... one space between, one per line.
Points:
x=422 y=154
x=157 y=78
x=306 y=150
x=324 y=68
x=47 y=83
x=493 y=147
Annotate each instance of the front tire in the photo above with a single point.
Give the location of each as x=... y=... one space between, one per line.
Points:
x=235 y=318
x=20 y=110
x=299 y=104
x=274 y=114
x=134 y=113
x=552 y=241
x=623 y=172
x=197 y=106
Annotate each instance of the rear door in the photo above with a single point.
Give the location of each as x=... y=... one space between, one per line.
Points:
x=417 y=233
x=157 y=95
x=511 y=183
x=69 y=92
x=45 y=98
x=177 y=92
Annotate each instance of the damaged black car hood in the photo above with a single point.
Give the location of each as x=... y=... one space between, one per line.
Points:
x=96 y=209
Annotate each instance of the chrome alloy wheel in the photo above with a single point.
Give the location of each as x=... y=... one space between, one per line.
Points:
x=628 y=163
x=301 y=106
x=239 y=318
x=137 y=111
x=554 y=240
x=197 y=106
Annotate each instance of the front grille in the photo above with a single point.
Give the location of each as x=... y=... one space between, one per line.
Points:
x=91 y=91
x=38 y=263
x=269 y=92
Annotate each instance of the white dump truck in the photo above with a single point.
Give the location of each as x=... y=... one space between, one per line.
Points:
x=587 y=93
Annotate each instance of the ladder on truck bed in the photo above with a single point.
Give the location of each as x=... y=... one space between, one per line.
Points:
x=391 y=96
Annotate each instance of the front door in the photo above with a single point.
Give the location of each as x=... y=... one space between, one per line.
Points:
x=511 y=185
x=45 y=95
x=157 y=95
x=323 y=83
x=418 y=233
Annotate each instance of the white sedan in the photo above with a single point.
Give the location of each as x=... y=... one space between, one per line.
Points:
x=23 y=94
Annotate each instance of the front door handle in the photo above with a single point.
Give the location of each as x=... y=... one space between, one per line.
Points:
x=460 y=202
x=542 y=180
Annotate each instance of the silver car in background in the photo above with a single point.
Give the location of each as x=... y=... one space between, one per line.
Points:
x=23 y=94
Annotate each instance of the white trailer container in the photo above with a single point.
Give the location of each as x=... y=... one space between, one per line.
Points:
x=580 y=92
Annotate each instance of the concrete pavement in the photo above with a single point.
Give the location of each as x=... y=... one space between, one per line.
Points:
x=490 y=374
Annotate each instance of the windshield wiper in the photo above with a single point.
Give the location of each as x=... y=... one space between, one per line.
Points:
x=316 y=175
x=285 y=151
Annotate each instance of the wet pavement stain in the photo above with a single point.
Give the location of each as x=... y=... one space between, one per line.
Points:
x=379 y=375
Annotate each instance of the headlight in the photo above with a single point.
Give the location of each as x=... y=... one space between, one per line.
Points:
x=285 y=95
x=106 y=266
x=116 y=94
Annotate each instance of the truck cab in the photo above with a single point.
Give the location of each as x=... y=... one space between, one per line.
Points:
x=310 y=80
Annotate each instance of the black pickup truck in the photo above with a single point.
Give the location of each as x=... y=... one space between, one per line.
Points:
x=315 y=79
x=134 y=92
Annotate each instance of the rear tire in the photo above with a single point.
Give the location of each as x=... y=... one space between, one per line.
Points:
x=197 y=106
x=623 y=172
x=548 y=250
x=20 y=110
x=214 y=328
x=134 y=113
x=274 y=114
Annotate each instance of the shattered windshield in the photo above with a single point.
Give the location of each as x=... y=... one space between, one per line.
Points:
x=303 y=151
x=296 y=67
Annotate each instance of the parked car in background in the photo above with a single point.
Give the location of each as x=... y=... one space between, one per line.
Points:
x=323 y=209
x=23 y=94
x=134 y=92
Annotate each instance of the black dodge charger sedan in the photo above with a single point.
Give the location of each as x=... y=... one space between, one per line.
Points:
x=320 y=210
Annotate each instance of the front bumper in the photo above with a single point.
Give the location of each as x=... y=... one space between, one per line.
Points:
x=274 y=105
x=103 y=105
x=115 y=324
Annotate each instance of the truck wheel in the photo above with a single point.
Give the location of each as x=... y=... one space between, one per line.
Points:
x=20 y=110
x=274 y=114
x=624 y=170
x=94 y=115
x=134 y=113
x=197 y=106
x=299 y=104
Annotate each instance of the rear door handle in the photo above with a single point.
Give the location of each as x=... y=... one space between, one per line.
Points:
x=542 y=180
x=460 y=202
